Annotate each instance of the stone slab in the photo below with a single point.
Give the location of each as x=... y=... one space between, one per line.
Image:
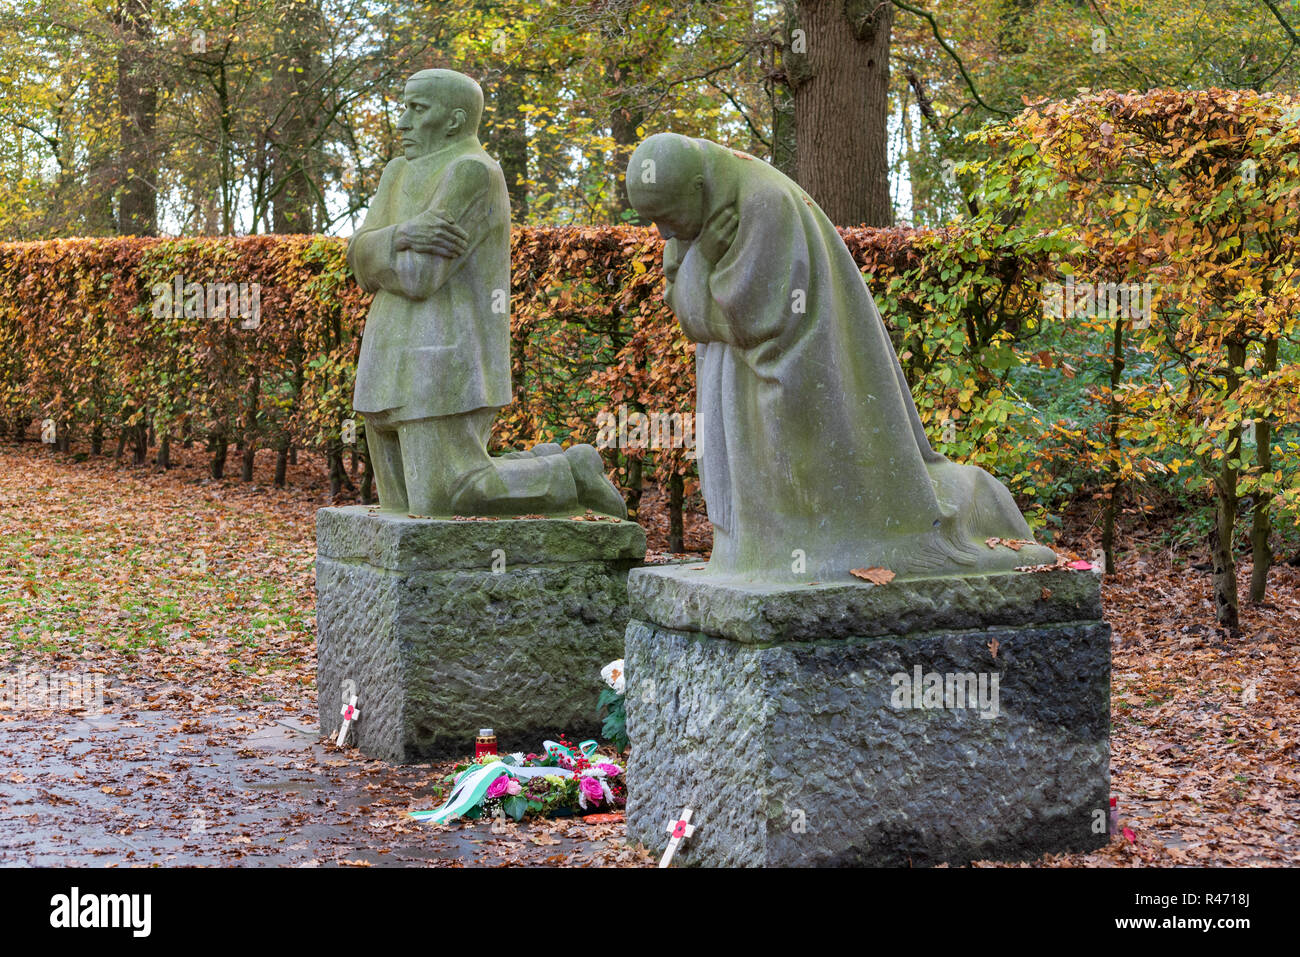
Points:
x=440 y=643
x=798 y=753
x=684 y=597
x=394 y=541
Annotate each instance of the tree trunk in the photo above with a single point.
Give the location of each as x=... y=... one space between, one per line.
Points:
x=294 y=202
x=368 y=481
x=281 y=460
x=1224 y=572
x=140 y=444
x=1112 y=488
x=97 y=437
x=507 y=140
x=165 y=452
x=842 y=109
x=1225 y=518
x=676 y=533
x=794 y=60
x=1261 y=554
x=1260 y=523
x=635 y=486
x=137 y=93
x=624 y=119
x=338 y=474
x=250 y=427
x=218 y=445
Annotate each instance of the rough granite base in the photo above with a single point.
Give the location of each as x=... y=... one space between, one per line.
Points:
x=448 y=626
x=776 y=714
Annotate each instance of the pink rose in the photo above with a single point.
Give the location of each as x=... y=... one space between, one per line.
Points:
x=591 y=788
x=611 y=770
x=513 y=787
x=499 y=786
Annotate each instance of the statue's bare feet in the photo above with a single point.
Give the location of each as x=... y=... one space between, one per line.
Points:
x=595 y=491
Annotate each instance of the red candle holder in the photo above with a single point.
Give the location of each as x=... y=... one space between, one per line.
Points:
x=485 y=744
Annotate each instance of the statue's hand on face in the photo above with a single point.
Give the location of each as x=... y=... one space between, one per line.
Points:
x=674 y=219
x=718 y=234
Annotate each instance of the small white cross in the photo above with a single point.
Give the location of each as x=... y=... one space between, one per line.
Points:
x=680 y=828
x=350 y=713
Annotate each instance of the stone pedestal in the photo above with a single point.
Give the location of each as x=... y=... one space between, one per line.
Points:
x=449 y=626
x=786 y=717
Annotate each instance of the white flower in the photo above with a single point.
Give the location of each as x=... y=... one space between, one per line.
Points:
x=613 y=675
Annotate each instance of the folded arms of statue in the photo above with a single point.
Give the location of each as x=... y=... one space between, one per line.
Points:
x=415 y=258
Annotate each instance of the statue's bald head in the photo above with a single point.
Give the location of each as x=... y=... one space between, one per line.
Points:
x=443 y=107
x=665 y=183
x=455 y=91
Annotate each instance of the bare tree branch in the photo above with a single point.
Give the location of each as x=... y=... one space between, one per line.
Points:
x=1285 y=26
x=934 y=28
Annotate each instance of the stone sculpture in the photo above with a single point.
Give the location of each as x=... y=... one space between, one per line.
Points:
x=435 y=360
x=812 y=457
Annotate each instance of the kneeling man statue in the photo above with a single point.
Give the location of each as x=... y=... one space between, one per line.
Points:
x=435 y=355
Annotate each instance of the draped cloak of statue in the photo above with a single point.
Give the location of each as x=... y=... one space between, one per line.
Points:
x=812 y=457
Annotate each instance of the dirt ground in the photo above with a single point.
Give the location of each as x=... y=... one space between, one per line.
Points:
x=192 y=601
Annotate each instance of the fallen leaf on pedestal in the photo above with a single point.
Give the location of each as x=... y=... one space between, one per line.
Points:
x=1015 y=544
x=877 y=576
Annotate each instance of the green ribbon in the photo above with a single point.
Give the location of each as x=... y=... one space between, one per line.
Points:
x=466 y=794
x=471 y=785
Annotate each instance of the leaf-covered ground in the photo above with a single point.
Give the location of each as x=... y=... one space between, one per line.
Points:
x=194 y=600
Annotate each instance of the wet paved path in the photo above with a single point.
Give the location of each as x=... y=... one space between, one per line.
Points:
x=136 y=787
